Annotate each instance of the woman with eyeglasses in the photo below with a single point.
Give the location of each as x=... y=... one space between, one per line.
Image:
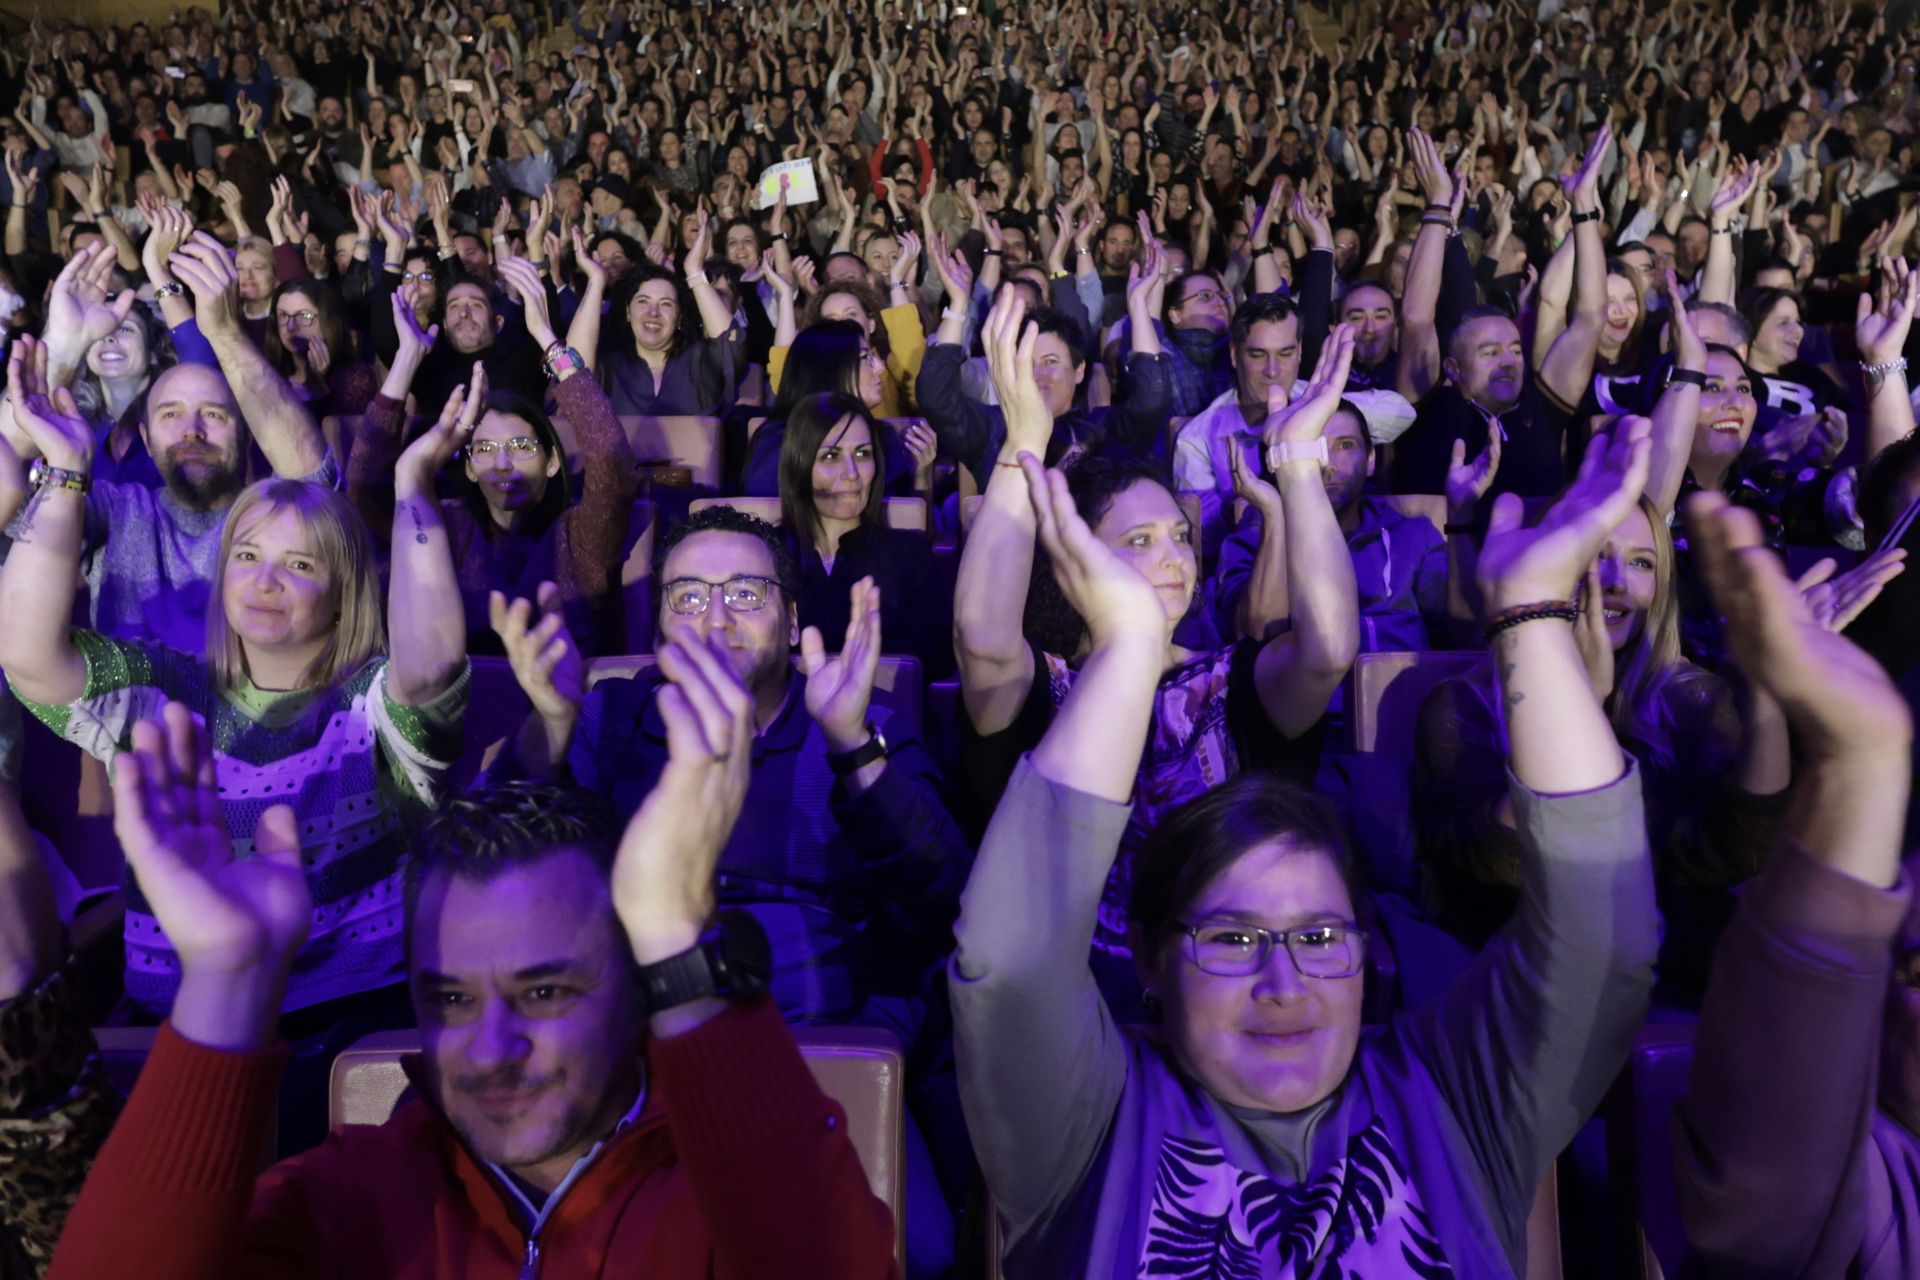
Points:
x=671 y=346
x=1258 y=1126
x=515 y=521
x=312 y=345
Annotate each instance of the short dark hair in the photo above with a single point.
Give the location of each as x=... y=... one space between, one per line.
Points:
x=1192 y=845
x=1484 y=311
x=1261 y=308
x=723 y=519
x=492 y=829
x=1094 y=480
x=1063 y=326
x=1730 y=313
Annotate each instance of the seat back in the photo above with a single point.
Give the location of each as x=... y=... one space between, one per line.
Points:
x=862 y=1069
x=901 y=513
x=1388 y=689
x=674 y=441
x=1639 y=1119
x=496 y=708
x=897 y=685
x=636 y=576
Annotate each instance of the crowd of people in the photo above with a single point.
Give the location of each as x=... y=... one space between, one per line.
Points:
x=1136 y=372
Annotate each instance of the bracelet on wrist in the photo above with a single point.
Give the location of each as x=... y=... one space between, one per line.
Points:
x=1508 y=619
x=43 y=475
x=1592 y=215
x=1896 y=365
x=171 y=289
x=561 y=360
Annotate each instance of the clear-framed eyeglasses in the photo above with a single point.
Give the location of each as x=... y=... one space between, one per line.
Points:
x=517 y=447
x=299 y=319
x=691 y=596
x=1229 y=949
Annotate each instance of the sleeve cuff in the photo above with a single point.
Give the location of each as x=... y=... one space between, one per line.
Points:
x=1800 y=896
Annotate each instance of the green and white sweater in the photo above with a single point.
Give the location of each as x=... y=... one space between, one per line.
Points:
x=356 y=766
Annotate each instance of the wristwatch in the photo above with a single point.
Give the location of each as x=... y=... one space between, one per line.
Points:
x=1297 y=451
x=1692 y=377
x=732 y=961
x=851 y=762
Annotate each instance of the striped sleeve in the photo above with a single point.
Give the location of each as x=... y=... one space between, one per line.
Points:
x=126 y=682
x=421 y=743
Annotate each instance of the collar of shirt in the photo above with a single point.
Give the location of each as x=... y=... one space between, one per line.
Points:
x=538 y=1214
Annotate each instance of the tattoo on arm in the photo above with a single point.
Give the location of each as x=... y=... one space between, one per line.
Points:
x=1512 y=695
x=24 y=528
x=419 y=526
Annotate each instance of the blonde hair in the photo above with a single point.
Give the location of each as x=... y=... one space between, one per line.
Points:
x=342 y=544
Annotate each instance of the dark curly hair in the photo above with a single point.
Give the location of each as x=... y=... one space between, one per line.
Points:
x=724 y=519
x=1094 y=480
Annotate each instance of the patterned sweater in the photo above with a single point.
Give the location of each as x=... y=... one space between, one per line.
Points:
x=1108 y=1161
x=354 y=764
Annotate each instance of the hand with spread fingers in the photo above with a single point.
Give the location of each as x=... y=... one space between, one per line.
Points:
x=840 y=688
x=416 y=469
x=663 y=887
x=237 y=922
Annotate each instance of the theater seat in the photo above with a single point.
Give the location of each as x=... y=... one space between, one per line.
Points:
x=1639 y=1122
x=678 y=441
x=901 y=513
x=1388 y=689
x=495 y=711
x=636 y=576
x=898 y=684
x=860 y=1068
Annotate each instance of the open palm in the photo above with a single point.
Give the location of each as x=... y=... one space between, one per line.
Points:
x=839 y=688
x=221 y=911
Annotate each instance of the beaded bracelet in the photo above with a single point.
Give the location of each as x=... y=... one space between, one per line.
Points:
x=1507 y=619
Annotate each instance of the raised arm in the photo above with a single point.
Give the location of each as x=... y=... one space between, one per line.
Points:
x=1565 y=987
x=1718 y=275
x=779 y=1184
x=38 y=579
x=1776 y=1168
x=583 y=332
x=283 y=427
x=1676 y=416
x=996 y=664
x=1041 y=1066
x=715 y=318
x=1296 y=673
x=1880 y=329
x=1419 y=369
x=1567 y=368
x=426 y=621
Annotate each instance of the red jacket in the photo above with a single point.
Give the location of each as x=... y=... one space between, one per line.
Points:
x=739 y=1167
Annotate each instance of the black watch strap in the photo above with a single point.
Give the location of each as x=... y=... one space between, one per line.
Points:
x=844 y=763
x=1691 y=377
x=732 y=961
x=1592 y=215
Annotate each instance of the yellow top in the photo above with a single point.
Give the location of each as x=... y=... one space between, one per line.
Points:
x=908 y=339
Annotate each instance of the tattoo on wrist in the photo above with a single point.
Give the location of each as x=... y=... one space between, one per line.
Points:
x=1512 y=696
x=419 y=525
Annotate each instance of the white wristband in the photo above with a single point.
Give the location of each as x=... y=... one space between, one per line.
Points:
x=1281 y=452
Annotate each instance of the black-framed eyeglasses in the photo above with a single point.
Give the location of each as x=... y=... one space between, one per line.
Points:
x=516 y=446
x=690 y=597
x=1230 y=949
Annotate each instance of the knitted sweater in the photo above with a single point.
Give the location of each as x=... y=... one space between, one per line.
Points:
x=354 y=764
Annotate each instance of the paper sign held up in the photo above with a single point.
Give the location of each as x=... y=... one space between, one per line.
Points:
x=801 y=186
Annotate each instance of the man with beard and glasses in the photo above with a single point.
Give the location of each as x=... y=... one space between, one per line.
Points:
x=150 y=553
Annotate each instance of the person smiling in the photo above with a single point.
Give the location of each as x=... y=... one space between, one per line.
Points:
x=1252 y=704
x=1258 y=1121
x=307 y=697
x=515 y=524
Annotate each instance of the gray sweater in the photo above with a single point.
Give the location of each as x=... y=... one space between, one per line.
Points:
x=1104 y=1158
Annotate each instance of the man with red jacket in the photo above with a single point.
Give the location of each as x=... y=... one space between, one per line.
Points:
x=605 y=1088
